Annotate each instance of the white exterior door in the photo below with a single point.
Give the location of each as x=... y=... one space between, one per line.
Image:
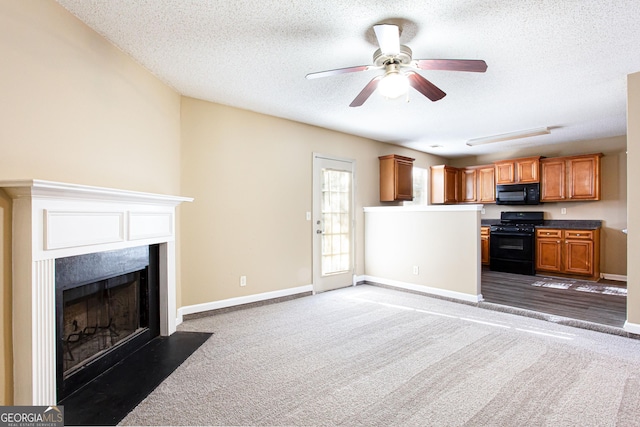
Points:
x=333 y=222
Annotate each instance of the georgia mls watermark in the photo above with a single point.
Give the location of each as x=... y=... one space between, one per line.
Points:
x=31 y=416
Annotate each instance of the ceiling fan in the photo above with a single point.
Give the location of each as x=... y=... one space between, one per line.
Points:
x=398 y=65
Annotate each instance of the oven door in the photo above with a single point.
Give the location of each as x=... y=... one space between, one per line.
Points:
x=512 y=246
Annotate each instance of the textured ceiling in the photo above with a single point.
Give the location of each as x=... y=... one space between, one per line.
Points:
x=558 y=63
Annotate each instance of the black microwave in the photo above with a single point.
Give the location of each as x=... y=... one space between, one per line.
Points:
x=518 y=194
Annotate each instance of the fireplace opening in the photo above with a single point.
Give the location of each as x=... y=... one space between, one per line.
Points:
x=97 y=317
x=107 y=307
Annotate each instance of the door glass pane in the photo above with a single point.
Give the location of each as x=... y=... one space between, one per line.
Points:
x=336 y=214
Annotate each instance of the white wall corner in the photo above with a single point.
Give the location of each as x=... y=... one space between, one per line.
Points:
x=358 y=279
x=616 y=277
x=634 y=328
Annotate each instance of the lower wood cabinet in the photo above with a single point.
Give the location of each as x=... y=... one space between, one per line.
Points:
x=484 y=245
x=568 y=252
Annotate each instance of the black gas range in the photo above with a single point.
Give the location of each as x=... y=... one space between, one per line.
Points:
x=512 y=242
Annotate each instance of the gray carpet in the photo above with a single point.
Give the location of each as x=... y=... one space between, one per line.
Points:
x=370 y=356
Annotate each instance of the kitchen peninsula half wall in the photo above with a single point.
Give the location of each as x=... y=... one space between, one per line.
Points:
x=429 y=249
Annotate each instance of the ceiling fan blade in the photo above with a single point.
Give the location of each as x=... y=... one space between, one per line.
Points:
x=340 y=71
x=388 y=36
x=473 y=65
x=366 y=92
x=424 y=86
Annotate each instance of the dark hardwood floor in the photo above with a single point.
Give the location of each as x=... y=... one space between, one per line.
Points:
x=575 y=299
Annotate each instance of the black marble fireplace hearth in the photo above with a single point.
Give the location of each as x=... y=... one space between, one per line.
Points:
x=106 y=400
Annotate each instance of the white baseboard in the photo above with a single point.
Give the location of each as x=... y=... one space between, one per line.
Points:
x=634 y=328
x=618 y=277
x=233 y=302
x=423 y=289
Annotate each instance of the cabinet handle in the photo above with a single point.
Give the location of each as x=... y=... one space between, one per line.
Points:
x=577 y=234
x=559 y=241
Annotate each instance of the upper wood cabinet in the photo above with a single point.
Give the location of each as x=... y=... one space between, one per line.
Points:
x=505 y=172
x=553 y=173
x=561 y=179
x=396 y=178
x=486 y=184
x=570 y=178
x=445 y=184
x=477 y=184
x=518 y=171
x=468 y=184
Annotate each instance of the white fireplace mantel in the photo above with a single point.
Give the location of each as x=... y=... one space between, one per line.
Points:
x=53 y=220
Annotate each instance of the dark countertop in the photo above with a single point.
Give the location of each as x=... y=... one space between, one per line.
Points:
x=578 y=224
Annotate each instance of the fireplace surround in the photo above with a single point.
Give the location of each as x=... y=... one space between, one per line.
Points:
x=53 y=221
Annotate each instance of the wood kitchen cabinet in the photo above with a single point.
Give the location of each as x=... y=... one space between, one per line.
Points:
x=553 y=180
x=486 y=184
x=517 y=171
x=477 y=184
x=396 y=178
x=568 y=252
x=570 y=178
x=468 y=184
x=549 y=250
x=484 y=245
x=445 y=185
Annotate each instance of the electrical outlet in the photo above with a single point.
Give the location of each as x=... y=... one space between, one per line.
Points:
x=243 y=280
x=308 y=216
x=416 y=270
x=483 y=212
x=563 y=211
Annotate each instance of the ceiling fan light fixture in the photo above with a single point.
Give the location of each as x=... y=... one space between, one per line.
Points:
x=394 y=84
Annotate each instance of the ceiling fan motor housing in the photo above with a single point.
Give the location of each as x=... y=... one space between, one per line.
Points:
x=404 y=57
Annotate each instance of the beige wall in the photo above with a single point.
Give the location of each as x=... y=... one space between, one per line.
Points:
x=611 y=209
x=442 y=241
x=633 y=208
x=251 y=177
x=75 y=109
